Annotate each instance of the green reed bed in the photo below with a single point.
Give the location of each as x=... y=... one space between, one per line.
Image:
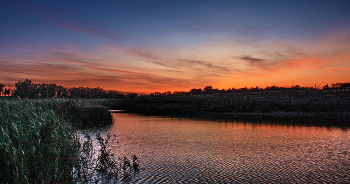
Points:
x=85 y=113
x=37 y=137
x=34 y=143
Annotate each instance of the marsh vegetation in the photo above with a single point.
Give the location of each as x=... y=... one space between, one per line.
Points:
x=103 y=167
x=39 y=144
x=34 y=143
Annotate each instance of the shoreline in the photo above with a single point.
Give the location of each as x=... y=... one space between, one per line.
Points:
x=294 y=107
x=329 y=119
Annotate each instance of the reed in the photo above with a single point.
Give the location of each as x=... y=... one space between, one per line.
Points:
x=39 y=143
x=89 y=115
x=104 y=167
x=81 y=112
x=34 y=144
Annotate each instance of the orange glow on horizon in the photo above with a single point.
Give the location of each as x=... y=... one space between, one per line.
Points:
x=147 y=70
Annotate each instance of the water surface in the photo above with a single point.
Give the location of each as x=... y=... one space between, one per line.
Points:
x=192 y=151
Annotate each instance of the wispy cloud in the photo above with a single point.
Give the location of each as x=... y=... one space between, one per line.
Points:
x=68 y=20
x=251 y=59
x=73 y=68
x=254 y=62
x=208 y=65
x=91 y=29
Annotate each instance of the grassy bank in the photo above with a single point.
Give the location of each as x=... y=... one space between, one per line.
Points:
x=84 y=112
x=33 y=144
x=310 y=106
x=37 y=137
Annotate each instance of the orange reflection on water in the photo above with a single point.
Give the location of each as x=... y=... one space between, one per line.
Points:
x=226 y=152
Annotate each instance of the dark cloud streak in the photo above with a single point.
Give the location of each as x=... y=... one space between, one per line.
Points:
x=251 y=59
x=215 y=68
x=262 y=63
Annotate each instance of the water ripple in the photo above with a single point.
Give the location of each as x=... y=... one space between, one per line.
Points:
x=187 y=151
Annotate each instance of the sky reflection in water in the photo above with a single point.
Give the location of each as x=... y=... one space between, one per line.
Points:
x=189 y=151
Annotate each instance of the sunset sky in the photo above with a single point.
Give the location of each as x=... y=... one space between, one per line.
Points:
x=145 y=46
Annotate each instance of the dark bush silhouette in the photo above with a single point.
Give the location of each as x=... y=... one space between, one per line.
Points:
x=1 y=88
x=27 y=89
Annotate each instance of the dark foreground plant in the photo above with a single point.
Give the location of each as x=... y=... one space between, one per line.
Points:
x=104 y=167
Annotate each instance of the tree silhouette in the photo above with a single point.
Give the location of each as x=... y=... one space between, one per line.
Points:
x=43 y=90
x=61 y=91
x=208 y=89
x=51 y=90
x=196 y=91
x=26 y=89
x=1 y=88
x=77 y=92
x=7 y=91
x=131 y=95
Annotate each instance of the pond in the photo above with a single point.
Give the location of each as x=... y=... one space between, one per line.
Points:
x=172 y=150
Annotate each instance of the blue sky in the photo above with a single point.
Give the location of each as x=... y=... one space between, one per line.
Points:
x=147 y=46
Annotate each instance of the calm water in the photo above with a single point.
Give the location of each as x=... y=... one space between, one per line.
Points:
x=191 y=151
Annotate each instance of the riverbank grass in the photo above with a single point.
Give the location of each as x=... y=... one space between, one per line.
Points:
x=37 y=137
x=34 y=144
x=85 y=114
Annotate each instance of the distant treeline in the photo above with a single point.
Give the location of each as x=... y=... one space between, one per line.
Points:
x=27 y=89
x=210 y=90
x=31 y=90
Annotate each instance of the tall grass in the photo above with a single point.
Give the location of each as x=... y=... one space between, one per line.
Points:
x=34 y=144
x=37 y=138
x=85 y=114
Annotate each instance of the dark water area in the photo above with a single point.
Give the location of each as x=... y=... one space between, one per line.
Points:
x=179 y=150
